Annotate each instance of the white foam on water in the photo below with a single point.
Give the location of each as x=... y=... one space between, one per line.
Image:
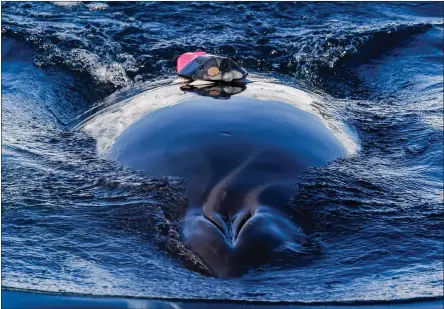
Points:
x=114 y=73
x=97 y=6
x=67 y=3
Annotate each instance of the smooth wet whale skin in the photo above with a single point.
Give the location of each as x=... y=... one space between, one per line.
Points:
x=241 y=158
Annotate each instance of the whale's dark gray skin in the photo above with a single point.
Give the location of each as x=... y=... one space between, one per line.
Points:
x=241 y=158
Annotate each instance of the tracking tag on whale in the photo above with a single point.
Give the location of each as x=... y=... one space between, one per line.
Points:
x=200 y=66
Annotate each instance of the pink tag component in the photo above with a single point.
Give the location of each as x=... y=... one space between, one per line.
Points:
x=186 y=58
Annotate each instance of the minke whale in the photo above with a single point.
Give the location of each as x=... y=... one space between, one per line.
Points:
x=241 y=158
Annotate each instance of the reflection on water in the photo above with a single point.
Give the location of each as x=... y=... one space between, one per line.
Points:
x=217 y=91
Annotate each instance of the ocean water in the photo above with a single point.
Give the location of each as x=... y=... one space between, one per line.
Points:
x=75 y=222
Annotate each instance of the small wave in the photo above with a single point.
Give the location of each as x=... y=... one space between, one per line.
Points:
x=318 y=58
x=97 y=6
x=81 y=60
x=67 y=3
x=435 y=121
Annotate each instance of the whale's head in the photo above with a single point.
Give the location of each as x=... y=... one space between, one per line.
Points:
x=238 y=225
x=229 y=246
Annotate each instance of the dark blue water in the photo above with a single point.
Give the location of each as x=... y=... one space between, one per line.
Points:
x=75 y=222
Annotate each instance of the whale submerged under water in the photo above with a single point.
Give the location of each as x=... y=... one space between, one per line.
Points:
x=241 y=158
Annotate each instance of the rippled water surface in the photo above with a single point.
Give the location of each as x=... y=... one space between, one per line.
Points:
x=75 y=222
